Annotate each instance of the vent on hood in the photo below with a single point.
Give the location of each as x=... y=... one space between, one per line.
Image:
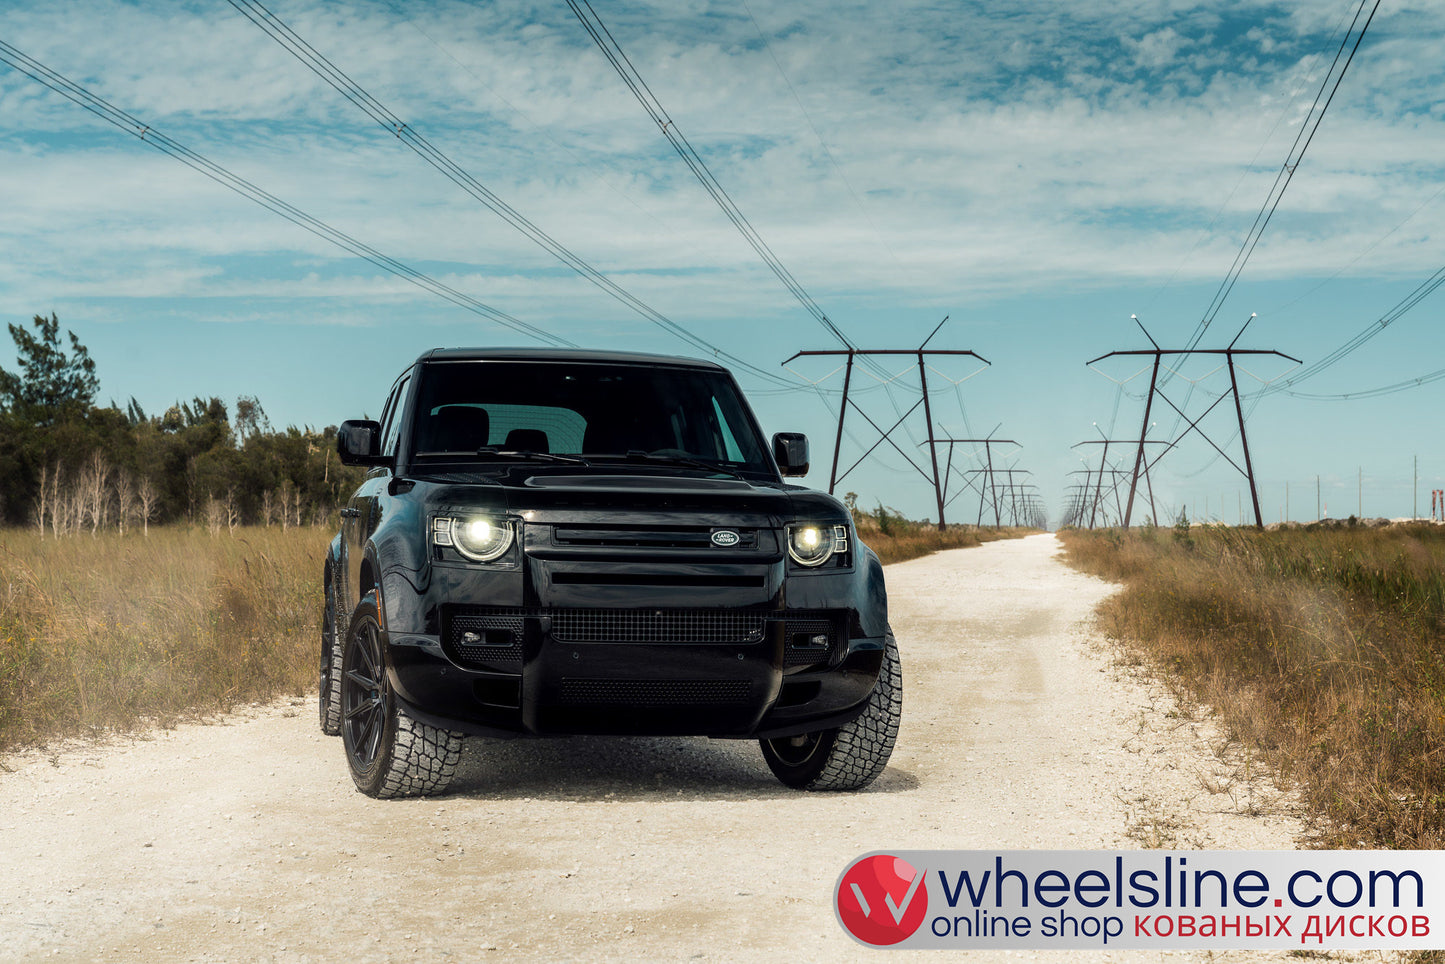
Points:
x=664 y=483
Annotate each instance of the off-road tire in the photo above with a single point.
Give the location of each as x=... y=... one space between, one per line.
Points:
x=851 y=756
x=390 y=753
x=329 y=686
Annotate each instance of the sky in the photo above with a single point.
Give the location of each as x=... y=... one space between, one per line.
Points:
x=1035 y=172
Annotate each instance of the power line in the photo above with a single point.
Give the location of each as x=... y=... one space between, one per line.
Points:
x=1286 y=173
x=1305 y=136
x=297 y=46
x=1359 y=257
x=1294 y=95
x=620 y=62
x=132 y=125
x=632 y=78
x=1406 y=385
x=400 y=10
x=1419 y=294
x=814 y=128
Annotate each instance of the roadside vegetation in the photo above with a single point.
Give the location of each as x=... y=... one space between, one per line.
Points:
x=69 y=465
x=896 y=538
x=167 y=566
x=1322 y=648
x=108 y=632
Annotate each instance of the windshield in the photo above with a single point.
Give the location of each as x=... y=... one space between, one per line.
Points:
x=586 y=409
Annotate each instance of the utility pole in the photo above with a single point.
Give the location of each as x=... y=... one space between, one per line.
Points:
x=1158 y=354
x=1319 y=516
x=1105 y=467
x=948 y=467
x=1011 y=489
x=885 y=435
x=988 y=482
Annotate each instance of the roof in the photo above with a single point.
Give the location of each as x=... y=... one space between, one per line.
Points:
x=566 y=355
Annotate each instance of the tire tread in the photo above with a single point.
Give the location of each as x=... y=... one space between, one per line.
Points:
x=423 y=759
x=331 y=640
x=862 y=748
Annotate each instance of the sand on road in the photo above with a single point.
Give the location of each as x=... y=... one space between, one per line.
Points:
x=244 y=839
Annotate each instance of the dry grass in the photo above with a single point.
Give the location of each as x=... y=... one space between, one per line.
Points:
x=1324 y=649
x=103 y=633
x=896 y=539
x=107 y=633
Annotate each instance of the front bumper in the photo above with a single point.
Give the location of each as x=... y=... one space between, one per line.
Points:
x=515 y=672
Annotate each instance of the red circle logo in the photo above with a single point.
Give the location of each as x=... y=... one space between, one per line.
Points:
x=882 y=899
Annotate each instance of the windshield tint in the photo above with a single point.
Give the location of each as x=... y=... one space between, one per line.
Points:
x=592 y=410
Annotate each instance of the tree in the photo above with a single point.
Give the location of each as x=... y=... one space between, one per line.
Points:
x=93 y=487
x=125 y=499
x=49 y=382
x=147 y=496
x=251 y=418
x=68 y=465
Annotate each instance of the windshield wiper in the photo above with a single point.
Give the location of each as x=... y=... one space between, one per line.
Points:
x=491 y=451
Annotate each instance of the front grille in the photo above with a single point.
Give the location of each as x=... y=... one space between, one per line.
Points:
x=632 y=537
x=497 y=632
x=657 y=626
x=655 y=692
x=705 y=580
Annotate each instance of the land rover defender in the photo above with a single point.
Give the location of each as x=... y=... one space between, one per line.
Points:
x=561 y=542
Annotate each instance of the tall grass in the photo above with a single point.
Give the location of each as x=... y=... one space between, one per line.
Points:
x=104 y=632
x=896 y=539
x=108 y=632
x=1323 y=648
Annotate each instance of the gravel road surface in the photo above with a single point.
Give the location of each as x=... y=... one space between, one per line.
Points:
x=244 y=840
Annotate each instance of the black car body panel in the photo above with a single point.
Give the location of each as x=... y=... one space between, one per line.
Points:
x=639 y=593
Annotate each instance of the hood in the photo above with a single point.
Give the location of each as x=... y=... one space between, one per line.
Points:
x=629 y=497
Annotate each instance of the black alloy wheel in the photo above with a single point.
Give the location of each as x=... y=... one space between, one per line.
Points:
x=390 y=753
x=797 y=760
x=853 y=755
x=365 y=696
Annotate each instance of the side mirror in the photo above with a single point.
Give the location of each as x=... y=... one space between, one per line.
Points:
x=790 y=451
x=358 y=442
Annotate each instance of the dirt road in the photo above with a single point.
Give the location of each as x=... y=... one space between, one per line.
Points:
x=245 y=841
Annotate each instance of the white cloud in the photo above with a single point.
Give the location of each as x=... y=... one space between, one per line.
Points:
x=1156 y=49
x=984 y=155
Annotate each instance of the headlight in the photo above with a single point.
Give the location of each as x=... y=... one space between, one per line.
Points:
x=812 y=545
x=478 y=538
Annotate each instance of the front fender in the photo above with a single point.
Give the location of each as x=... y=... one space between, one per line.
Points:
x=870 y=596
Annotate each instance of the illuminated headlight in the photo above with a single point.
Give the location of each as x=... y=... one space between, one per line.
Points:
x=478 y=538
x=813 y=545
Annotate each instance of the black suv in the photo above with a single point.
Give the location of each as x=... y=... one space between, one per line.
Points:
x=565 y=542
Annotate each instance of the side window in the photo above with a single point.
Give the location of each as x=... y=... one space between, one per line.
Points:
x=391 y=417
